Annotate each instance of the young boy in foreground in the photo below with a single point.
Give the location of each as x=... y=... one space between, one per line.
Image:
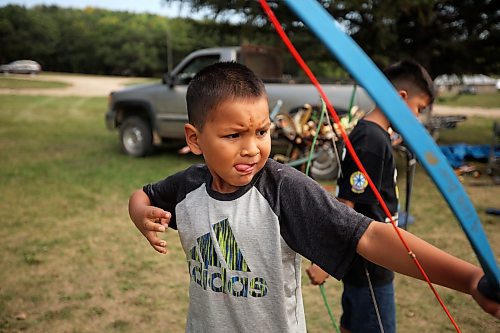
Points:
x=244 y=220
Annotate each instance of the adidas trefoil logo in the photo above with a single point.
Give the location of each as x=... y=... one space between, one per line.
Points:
x=229 y=274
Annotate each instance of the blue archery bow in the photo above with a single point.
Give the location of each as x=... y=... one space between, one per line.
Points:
x=364 y=71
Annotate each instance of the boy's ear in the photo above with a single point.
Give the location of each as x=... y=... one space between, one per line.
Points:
x=403 y=94
x=192 y=136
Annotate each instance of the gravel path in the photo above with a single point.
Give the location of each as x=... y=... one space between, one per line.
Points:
x=443 y=110
x=93 y=85
x=80 y=85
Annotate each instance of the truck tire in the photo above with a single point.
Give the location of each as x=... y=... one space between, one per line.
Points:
x=136 y=136
x=326 y=165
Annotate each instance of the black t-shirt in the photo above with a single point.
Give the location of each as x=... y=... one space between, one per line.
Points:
x=373 y=147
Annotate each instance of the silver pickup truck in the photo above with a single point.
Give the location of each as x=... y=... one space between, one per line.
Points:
x=149 y=114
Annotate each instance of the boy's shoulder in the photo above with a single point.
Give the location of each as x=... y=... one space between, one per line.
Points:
x=369 y=127
x=279 y=170
x=190 y=177
x=368 y=134
x=274 y=166
x=198 y=169
x=281 y=176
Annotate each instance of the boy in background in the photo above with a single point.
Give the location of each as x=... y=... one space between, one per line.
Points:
x=364 y=311
x=244 y=220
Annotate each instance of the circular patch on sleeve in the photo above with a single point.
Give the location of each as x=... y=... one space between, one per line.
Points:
x=358 y=182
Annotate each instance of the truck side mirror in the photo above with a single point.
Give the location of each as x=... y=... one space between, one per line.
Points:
x=168 y=80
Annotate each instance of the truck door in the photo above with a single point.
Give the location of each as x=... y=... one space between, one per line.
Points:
x=172 y=113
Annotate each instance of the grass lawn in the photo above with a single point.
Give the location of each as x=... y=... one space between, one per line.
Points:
x=491 y=100
x=71 y=260
x=29 y=83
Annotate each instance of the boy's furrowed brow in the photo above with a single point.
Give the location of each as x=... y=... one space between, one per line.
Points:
x=266 y=123
x=236 y=127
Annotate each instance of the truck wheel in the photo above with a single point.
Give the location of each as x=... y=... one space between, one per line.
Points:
x=136 y=137
x=326 y=165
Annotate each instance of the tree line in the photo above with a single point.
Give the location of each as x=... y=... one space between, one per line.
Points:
x=446 y=36
x=97 y=41
x=453 y=36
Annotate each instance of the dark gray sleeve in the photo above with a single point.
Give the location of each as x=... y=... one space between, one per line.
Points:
x=167 y=193
x=318 y=226
x=163 y=194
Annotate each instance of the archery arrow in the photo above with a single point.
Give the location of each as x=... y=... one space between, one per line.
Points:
x=364 y=71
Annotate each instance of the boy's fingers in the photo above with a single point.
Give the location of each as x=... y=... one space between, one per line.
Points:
x=159 y=216
x=163 y=221
x=154 y=240
x=154 y=213
x=160 y=249
x=492 y=308
x=159 y=245
x=153 y=226
x=488 y=305
x=158 y=227
x=157 y=213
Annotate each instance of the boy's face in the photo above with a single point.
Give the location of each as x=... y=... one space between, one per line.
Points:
x=235 y=142
x=416 y=102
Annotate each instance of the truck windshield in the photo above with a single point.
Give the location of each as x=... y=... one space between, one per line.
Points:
x=186 y=74
x=265 y=62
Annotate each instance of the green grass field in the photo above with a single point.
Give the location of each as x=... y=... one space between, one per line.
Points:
x=491 y=100
x=71 y=260
x=29 y=83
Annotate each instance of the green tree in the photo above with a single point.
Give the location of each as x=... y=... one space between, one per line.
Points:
x=451 y=36
x=25 y=35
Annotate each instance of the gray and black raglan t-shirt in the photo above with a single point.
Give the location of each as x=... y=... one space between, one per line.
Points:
x=243 y=249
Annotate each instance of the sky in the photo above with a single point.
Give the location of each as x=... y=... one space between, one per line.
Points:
x=137 y=6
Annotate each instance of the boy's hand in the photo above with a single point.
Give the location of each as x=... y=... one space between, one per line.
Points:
x=487 y=304
x=155 y=220
x=316 y=274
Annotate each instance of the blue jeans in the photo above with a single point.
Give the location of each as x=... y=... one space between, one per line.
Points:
x=359 y=313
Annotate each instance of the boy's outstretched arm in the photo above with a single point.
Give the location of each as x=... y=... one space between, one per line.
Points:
x=381 y=245
x=148 y=219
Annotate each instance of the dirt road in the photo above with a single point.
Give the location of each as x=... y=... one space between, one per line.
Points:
x=79 y=85
x=443 y=110
x=93 y=85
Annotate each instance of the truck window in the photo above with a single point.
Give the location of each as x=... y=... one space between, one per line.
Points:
x=264 y=66
x=194 y=66
x=265 y=62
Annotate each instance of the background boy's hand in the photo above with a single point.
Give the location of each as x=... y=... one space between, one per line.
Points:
x=154 y=220
x=316 y=274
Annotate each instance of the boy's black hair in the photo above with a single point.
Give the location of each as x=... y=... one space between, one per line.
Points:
x=411 y=76
x=219 y=83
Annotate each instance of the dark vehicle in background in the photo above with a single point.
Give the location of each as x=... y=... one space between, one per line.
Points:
x=149 y=114
x=21 y=67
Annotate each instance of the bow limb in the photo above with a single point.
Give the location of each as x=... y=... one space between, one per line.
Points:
x=364 y=71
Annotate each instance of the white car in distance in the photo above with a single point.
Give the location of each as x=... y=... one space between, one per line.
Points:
x=21 y=67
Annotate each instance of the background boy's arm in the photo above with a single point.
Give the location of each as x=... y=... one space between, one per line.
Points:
x=148 y=219
x=380 y=245
x=346 y=202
